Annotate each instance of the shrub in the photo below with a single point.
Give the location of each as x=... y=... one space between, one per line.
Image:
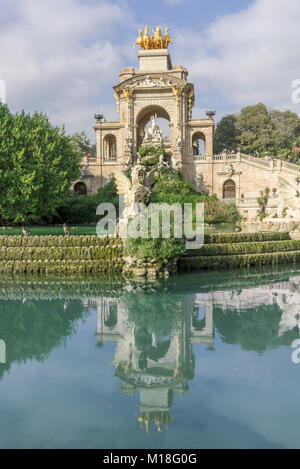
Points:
x=154 y=249
x=172 y=188
x=80 y=210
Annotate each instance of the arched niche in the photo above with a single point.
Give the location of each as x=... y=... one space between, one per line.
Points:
x=144 y=116
x=229 y=189
x=110 y=147
x=199 y=143
x=80 y=188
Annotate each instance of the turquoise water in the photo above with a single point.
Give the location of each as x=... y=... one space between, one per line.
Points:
x=196 y=361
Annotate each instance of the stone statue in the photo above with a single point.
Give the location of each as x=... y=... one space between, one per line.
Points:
x=178 y=143
x=287 y=203
x=127 y=164
x=134 y=192
x=283 y=208
x=128 y=143
x=199 y=180
x=153 y=134
x=229 y=169
x=176 y=164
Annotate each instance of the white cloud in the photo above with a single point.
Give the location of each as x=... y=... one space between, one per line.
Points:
x=59 y=56
x=246 y=57
x=64 y=56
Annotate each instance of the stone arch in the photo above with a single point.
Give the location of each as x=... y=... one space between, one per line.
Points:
x=80 y=188
x=110 y=147
x=143 y=118
x=198 y=135
x=229 y=189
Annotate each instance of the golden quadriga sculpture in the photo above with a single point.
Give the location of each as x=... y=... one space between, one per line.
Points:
x=158 y=41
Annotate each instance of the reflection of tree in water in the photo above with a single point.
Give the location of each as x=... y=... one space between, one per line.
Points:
x=254 y=328
x=31 y=330
x=158 y=310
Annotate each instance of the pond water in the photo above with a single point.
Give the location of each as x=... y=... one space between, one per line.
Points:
x=202 y=360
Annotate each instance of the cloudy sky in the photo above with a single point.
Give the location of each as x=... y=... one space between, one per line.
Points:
x=63 y=56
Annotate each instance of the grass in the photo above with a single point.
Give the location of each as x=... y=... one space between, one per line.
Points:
x=50 y=230
x=91 y=230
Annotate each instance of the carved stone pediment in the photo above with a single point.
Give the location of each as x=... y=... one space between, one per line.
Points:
x=150 y=81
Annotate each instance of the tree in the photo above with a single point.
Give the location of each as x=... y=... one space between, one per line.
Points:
x=255 y=129
x=226 y=134
x=286 y=132
x=84 y=144
x=38 y=163
x=269 y=131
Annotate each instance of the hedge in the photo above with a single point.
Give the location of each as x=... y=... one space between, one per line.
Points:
x=59 y=253
x=244 y=260
x=244 y=248
x=218 y=238
x=58 y=241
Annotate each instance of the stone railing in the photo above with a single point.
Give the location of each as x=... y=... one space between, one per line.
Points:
x=258 y=161
x=200 y=158
x=291 y=167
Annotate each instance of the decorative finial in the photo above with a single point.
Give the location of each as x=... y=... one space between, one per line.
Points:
x=98 y=117
x=210 y=113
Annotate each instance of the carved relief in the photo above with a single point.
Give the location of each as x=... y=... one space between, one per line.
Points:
x=150 y=82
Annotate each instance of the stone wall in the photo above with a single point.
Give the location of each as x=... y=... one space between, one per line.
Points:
x=250 y=175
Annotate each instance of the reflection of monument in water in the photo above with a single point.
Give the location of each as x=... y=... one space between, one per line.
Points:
x=159 y=364
x=154 y=326
x=155 y=366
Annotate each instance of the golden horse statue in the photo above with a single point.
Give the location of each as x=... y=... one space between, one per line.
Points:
x=158 y=41
x=140 y=40
x=168 y=40
x=147 y=39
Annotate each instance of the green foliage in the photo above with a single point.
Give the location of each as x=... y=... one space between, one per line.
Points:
x=242 y=250
x=217 y=238
x=233 y=261
x=154 y=249
x=38 y=163
x=60 y=254
x=227 y=249
x=151 y=150
x=49 y=230
x=263 y=202
x=253 y=328
x=270 y=132
x=226 y=134
x=83 y=143
x=172 y=188
x=32 y=329
x=152 y=313
x=83 y=209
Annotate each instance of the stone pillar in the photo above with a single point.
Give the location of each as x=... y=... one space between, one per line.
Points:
x=209 y=144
